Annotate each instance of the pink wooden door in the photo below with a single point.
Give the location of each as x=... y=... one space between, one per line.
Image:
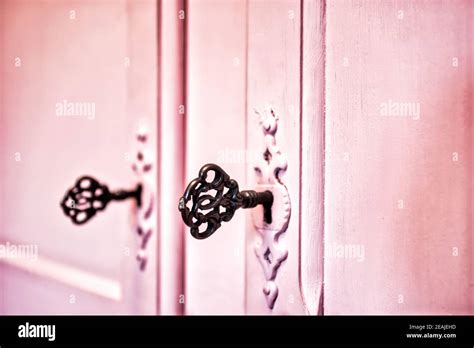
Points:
x=81 y=52
x=386 y=193
x=355 y=114
x=399 y=133
x=240 y=77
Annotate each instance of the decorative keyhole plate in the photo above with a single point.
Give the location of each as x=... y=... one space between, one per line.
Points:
x=268 y=250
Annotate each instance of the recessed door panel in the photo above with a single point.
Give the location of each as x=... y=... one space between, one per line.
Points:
x=75 y=88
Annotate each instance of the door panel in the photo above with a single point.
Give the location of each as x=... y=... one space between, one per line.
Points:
x=235 y=74
x=313 y=60
x=216 y=72
x=398 y=183
x=274 y=72
x=78 y=53
x=371 y=108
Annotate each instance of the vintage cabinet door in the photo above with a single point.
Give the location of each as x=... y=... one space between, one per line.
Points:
x=398 y=157
x=216 y=128
x=239 y=78
x=372 y=208
x=393 y=199
x=79 y=52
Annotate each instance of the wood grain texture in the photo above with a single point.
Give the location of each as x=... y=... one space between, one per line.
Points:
x=392 y=186
x=312 y=155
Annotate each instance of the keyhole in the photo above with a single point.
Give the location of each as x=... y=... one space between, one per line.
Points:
x=267 y=214
x=267 y=156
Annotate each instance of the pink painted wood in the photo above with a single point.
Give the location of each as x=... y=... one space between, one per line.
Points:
x=374 y=105
x=172 y=142
x=81 y=52
x=398 y=180
x=374 y=211
x=216 y=70
x=312 y=118
x=224 y=275
x=274 y=82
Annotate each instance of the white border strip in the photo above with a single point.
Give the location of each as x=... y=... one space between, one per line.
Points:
x=71 y=276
